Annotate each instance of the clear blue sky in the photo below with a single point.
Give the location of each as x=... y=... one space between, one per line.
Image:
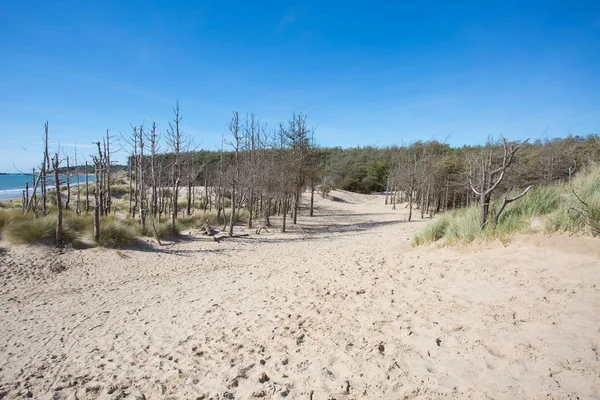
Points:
x=378 y=72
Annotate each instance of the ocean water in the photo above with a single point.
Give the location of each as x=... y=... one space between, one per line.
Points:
x=12 y=185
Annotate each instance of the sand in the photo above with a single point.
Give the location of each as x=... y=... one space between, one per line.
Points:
x=341 y=307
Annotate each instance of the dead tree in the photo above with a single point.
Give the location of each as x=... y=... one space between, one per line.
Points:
x=78 y=196
x=141 y=178
x=234 y=128
x=68 y=182
x=59 y=220
x=153 y=138
x=87 y=189
x=107 y=185
x=44 y=170
x=490 y=178
x=97 y=169
x=177 y=144
x=99 y=190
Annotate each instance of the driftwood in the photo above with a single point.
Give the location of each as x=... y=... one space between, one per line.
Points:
x=218 y=239
x=261 y=229
x=207 y=230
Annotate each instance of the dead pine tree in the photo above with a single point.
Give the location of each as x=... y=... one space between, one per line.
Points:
x=97 y=167
x=87 y=188
x=234 y=128
x=153 y=138
x=78 y=195
x=107 y=183
x=490 y=177
x=68 y=182
x=44 y=171
x=141 y=179
x=59 y=221
x=177 y=144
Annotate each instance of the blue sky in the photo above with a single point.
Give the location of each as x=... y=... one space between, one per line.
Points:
x=379 y=72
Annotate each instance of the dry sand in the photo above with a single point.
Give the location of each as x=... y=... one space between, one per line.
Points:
x=339 y=308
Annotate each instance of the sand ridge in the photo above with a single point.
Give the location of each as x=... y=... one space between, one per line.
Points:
x=340 y=307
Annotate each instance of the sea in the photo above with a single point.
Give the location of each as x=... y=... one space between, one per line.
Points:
x=12 y=185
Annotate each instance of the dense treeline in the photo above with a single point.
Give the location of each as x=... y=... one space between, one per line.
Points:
x=436 y=174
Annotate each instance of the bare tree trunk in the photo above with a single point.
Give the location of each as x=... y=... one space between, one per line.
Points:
x=297 y=196
x=234 y=129
x=410 y=205
x=87 y=189
x=284 y=207
x=44 y=171
x=97 y=203
x=131 y=194
x=59 y=220
x=68 y=201
x=312 y=198
x=100 y=181
x=107 y=172
x=26 y=197
x=189 y=198
x=141 y=181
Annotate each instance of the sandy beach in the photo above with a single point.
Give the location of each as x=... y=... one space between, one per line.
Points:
x=340 y=307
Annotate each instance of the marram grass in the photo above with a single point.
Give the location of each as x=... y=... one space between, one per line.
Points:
x=557 y=207
x=30 y=230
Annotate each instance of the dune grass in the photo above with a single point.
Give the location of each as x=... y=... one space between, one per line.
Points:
x=166 y=229
x=7 y=216
x=23 y=230
x=559 y=207
x=115 y=233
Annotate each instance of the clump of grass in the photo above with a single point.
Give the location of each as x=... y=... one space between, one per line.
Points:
x=434 y=231
x=29 y=230
x=7 y=216
x=119 y=190
x=209 y=217
x=166 y=229
x=242 y=216
x=81 y=223
x=11 y=204
x=189 y=222
x=115 y=233
x=579 y=208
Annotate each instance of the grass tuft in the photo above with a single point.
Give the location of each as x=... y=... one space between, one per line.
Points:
x=28 y=230
x=115 y=233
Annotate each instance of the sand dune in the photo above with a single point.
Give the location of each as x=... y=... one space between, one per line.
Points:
x=338 y=308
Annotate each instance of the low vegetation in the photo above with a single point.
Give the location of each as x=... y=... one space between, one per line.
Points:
x=29 y=230
x=565 y=207
x=115 y=234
